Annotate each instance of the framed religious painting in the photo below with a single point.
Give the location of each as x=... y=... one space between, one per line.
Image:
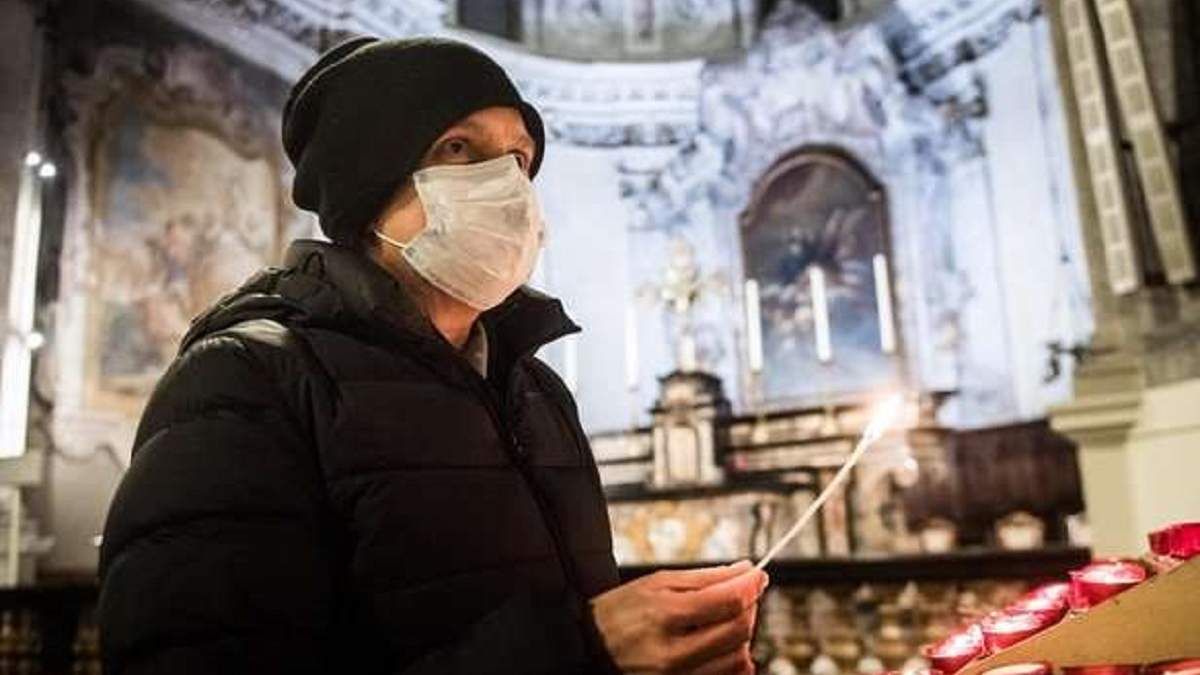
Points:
x=180 y=218
x=815 y=241
x=178 y=196
x=175 y=189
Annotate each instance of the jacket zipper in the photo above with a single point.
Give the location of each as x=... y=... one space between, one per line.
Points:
x=520 y=458
x=513 y=447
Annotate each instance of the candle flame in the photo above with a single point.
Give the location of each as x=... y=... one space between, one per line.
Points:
x=883 y=418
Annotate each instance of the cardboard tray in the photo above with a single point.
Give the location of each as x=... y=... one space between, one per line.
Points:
x=1157 y=620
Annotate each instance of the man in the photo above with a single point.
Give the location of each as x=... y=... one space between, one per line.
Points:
x=355 y=464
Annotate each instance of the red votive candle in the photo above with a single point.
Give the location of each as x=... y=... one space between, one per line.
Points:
x=1001 y=631
x=1100 y=581
x=956 y=650
x=1075 y=599
x=1056 y=592
x=1049 y=601
x=1181 y=540
x=1022 y=669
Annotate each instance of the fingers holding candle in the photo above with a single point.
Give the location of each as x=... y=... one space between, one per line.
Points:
x=697 y=620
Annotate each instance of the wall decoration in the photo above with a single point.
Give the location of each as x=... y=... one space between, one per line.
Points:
x=175 y=189
x=178 y=195
x=617 y=30
x=810 y=238
x=707 y=529
x=179 y=218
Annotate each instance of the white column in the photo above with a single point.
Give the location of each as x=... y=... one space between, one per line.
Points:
x=20 y=339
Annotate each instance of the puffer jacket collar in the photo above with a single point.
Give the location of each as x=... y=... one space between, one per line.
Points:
x=330 y=285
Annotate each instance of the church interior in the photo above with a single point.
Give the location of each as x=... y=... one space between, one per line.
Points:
x=771 y=218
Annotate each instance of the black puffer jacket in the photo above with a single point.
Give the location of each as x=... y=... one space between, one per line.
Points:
x=321 y=484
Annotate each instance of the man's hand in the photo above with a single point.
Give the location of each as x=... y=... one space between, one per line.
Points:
x=698 y=621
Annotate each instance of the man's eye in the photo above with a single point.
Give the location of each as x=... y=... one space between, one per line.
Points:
x=454 y=147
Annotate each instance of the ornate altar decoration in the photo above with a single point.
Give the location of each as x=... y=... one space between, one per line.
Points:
x=682 y=288
x=685 y=430
x=812 y=156
x=766 y=470
x=814 y=177
x=761 y=172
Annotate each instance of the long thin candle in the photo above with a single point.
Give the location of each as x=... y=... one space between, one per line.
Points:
x=820 y=307
x=632 y=375
x=754 y=346
x=883 y=299
x=879 y=423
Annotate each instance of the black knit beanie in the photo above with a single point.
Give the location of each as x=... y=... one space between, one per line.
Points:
x=357 y=124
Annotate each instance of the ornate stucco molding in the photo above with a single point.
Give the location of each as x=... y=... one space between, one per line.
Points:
x=635 y=30
x=590 y=104
x=285 y=36
x=931 y=38
x=805 y=84
x=600 y=104
x=611 y=105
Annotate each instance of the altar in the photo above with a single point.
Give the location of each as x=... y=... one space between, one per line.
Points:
x=929 y=529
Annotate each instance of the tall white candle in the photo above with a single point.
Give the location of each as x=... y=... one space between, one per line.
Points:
x=632 y=376
x=820 y=308
x=754 y=346
x=883 y=300
x=571 y=363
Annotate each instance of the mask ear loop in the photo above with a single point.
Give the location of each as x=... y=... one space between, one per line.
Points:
x=386 y=239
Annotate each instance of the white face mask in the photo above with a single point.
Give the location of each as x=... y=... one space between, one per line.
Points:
x=483 y=230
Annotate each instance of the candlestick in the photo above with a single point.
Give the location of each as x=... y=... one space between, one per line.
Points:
x=754 y=346
x=632 y=376
x=820 y=308
x=883 y=300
